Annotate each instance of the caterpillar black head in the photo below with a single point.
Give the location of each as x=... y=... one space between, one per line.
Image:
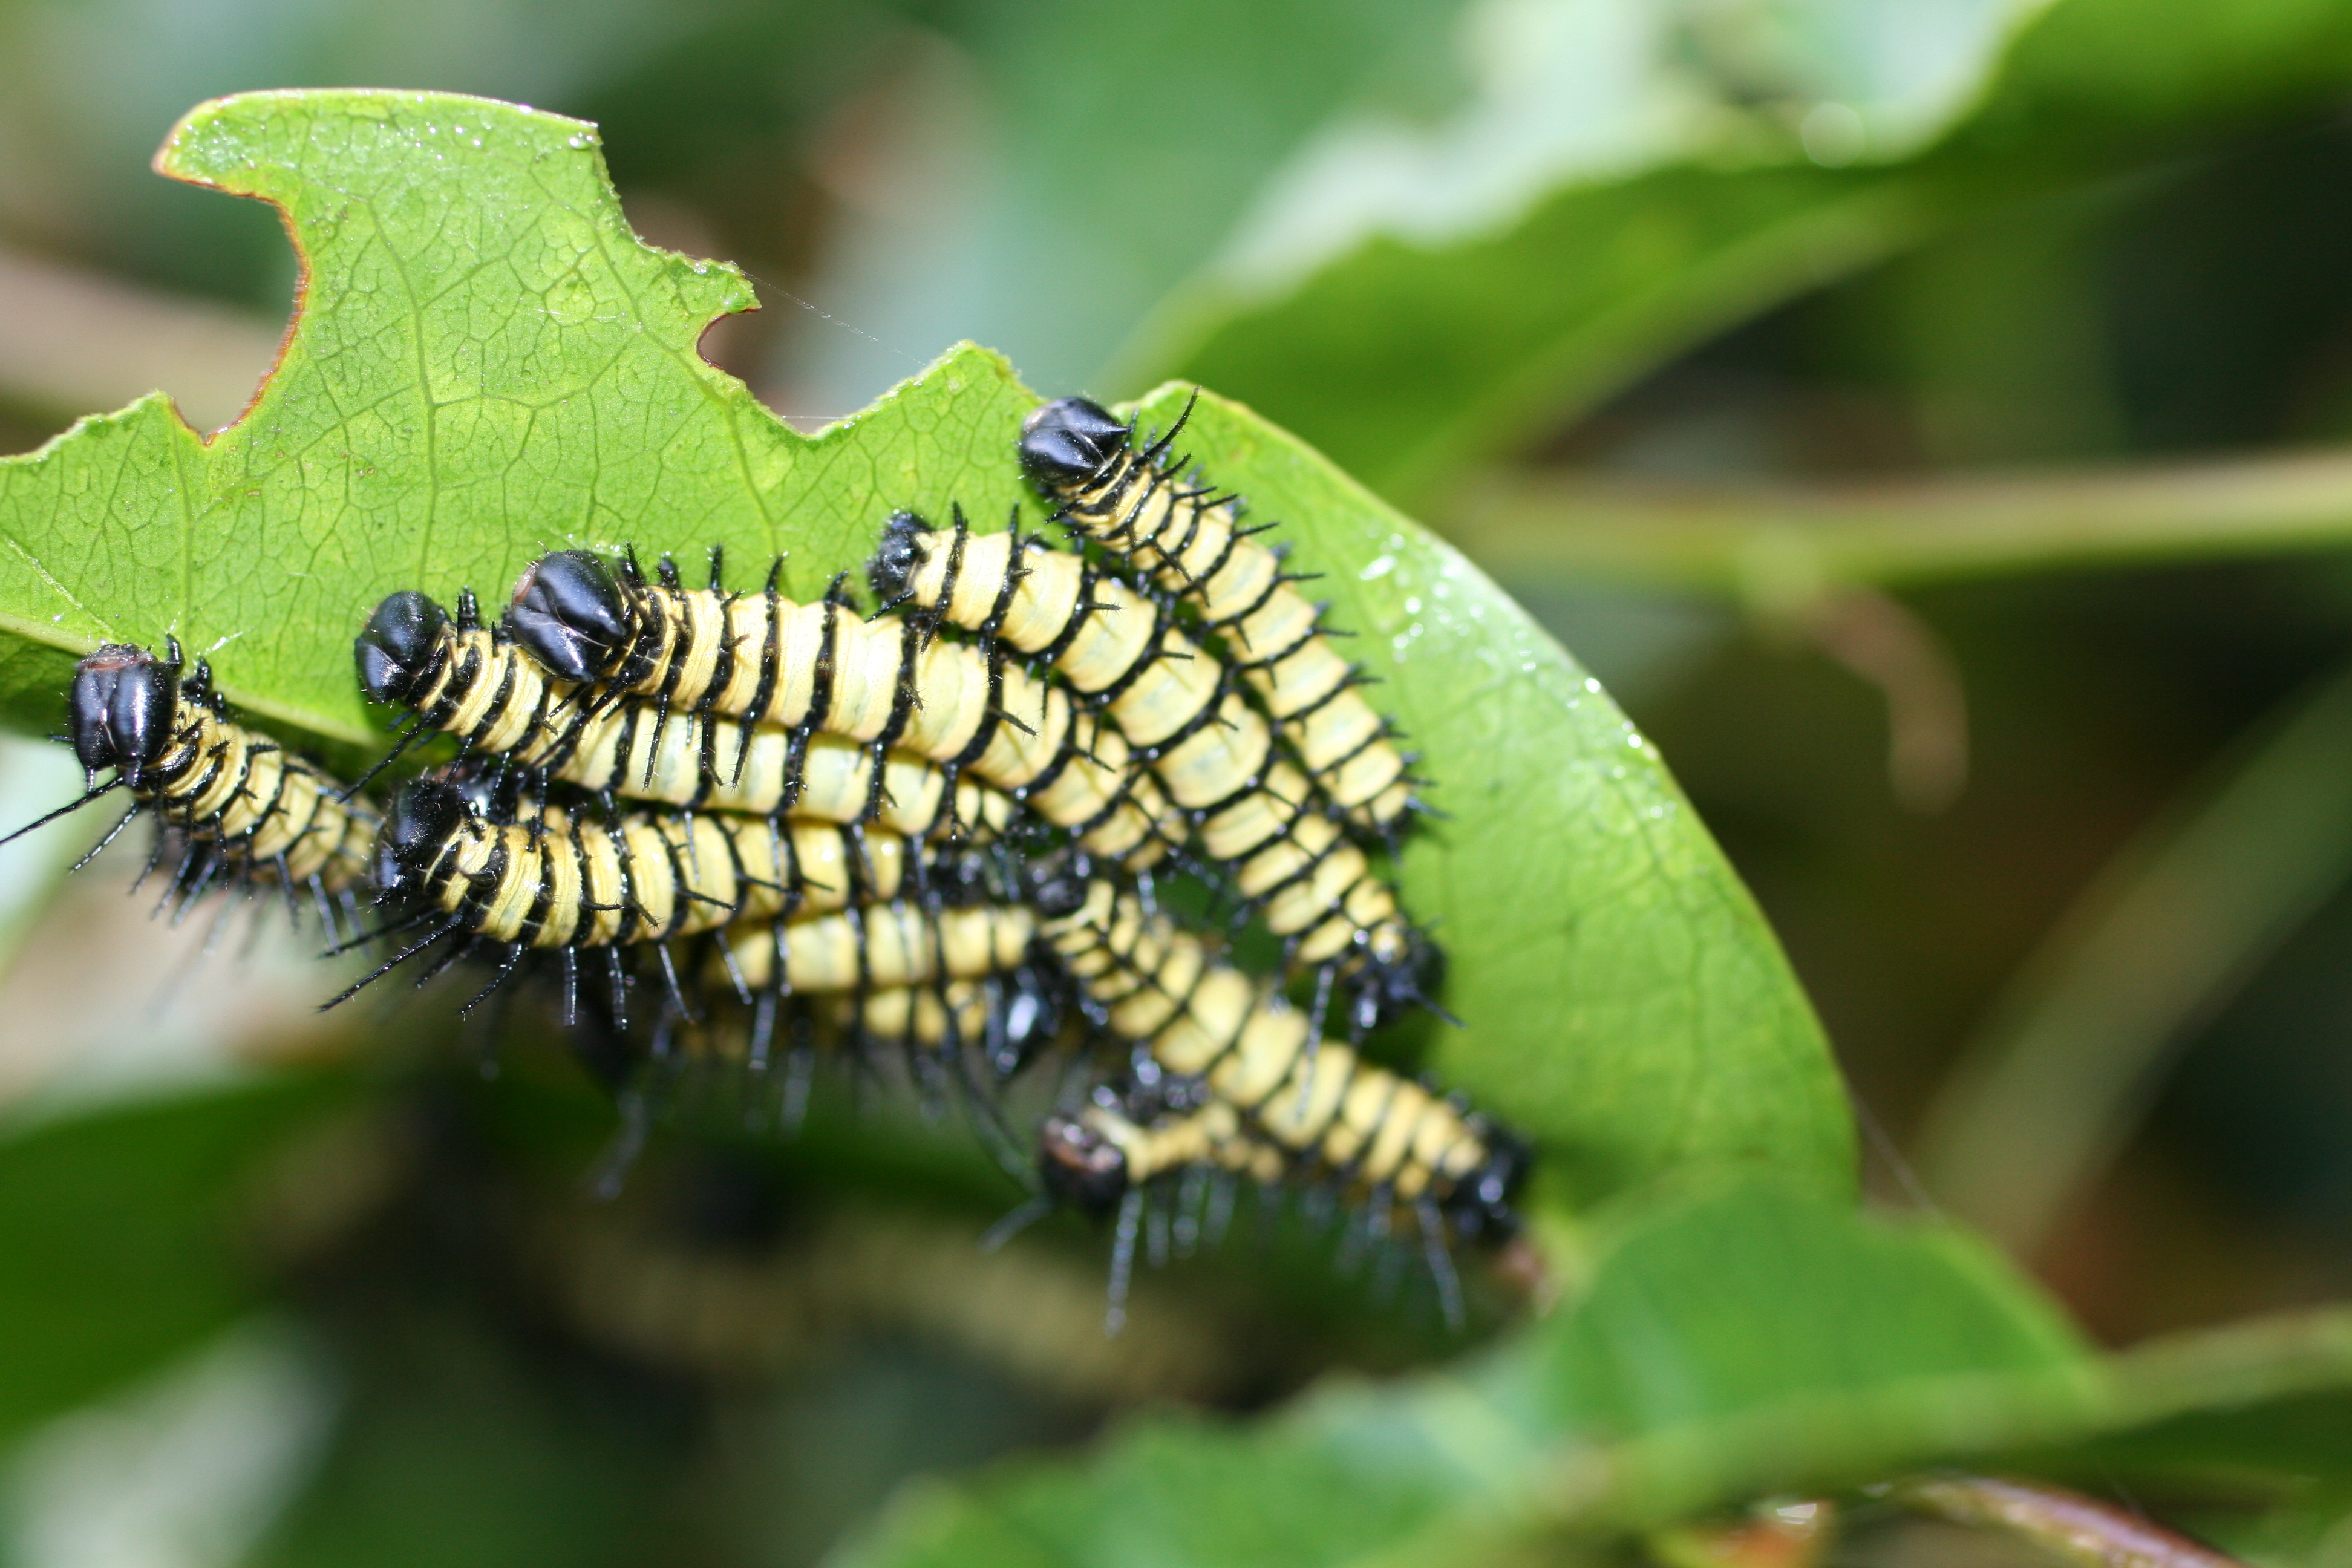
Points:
x=899 y=557
x=124 y=701
x=424 y=815
x=395 y=651
x=1479 y=1206
x=1383 y=992
x=1059 y=886
x=569 y=614
x=1069 y=441
x=1080 y=1168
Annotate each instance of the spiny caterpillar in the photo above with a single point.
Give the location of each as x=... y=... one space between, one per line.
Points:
x=873 y=944
x=456 y=677
x=1190 y=541
x=560 y=879
x=1383 y=1137
x=820 y=667
x=1316 y=888
x=462 y=854
x=235 y=803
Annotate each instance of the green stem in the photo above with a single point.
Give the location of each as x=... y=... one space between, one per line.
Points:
x=2061 y=1075
x=1781 y=545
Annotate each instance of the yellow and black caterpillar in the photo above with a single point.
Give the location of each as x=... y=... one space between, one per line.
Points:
x=1380 y=1136
x=766 y=661
x=1257 y=813
x=1190 y=541
x=554 y=877
x=233 y=803
x=875 y=944
x=456 y=677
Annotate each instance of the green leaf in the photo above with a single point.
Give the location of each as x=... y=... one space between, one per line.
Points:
x=1727 y=1344
x=1406 y=362
x=456 y=1449
x=1482 y=343
x=117 y=1241
x=1607 y=962
x=488 y=365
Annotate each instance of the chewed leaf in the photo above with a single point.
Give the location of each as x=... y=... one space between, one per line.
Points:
x=489 y=364
x=486 y=364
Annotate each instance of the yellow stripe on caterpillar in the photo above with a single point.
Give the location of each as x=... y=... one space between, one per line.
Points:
x=238 y=800
x=764 y=660
x=878 y=944
x=1259 y=816
x=1189 y=541
x=459 y=677
x=556 y=879
x=1199 y=1017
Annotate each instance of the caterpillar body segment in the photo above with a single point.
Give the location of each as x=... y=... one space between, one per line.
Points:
x=1111 y=643
x=233 y=802
x=1255 y=812
x=878 y=945
x=969 y=1035
x=1092 y=1160
x=765 y=660
x=1198 y=1017
x=1107 y=639
x=458 y=677
x=624 y=751
x=1009 y=1015
x=1130 y=500
x=554 y=879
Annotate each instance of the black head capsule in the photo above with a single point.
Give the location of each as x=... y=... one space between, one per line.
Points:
x=395 y=651
x=1386 y=992
x=1068 y=442
x=1058 y=887
x=1080 y=1168
x=424 y=815
x=899 y=557
x=568 y=613
x=1480 y=1205
x=124 y=701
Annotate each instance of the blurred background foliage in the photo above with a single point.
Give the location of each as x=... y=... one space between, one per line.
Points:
x=1926 y=417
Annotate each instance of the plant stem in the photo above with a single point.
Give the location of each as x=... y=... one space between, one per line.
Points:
x=2064 y=1068
x=1781 y=545
x=2078 y=1529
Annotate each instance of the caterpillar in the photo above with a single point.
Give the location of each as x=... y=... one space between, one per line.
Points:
x=454 y=855
x=561 y=879
x=1009 y=1015
x=821 y=668
x=1316 y=886
x=455 y=676
x=875 y=944
x=1385 y=1139
x=234 y=802
x=904 y=954
x=1106 y=1165
x=1129 y=500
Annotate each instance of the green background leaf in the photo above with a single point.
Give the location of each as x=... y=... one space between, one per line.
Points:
x=489 y=364
x=1486 y=343
x=1729 y=1342
x=118 y=1246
